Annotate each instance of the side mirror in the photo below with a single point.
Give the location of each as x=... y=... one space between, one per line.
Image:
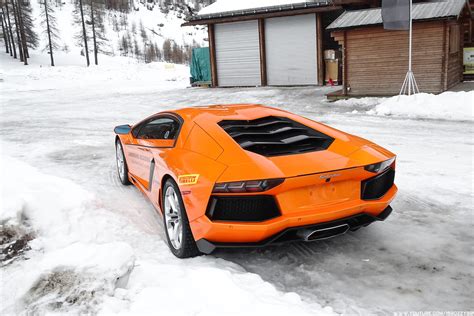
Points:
x=122 y=129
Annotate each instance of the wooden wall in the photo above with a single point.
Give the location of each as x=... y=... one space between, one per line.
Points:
x=454 y=72
x=376 y=60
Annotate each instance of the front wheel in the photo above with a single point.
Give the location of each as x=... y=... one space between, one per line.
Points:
x=122 y=168
x=178 y=233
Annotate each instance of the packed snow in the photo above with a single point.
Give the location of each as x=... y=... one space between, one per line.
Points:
x=222 y=6
x=445 y=106
x=74 y=240
x=84 y=258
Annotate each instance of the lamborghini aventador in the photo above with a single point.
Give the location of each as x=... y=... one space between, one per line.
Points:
x=249 y=176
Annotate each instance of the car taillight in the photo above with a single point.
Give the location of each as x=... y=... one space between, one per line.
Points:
x=246 y=186
x=380 y=166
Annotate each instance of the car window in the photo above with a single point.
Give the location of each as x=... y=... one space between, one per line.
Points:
x=159 y=128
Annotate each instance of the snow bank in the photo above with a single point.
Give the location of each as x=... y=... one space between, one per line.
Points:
x=447 y=105
x=232 y=5
x=86 y=259
x=456 y=106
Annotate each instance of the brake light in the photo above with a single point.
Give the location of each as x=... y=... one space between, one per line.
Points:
x=380 y=166
x=246 y=186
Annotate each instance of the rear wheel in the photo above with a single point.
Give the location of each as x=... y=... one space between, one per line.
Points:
x=122 y=168
x=178 y=233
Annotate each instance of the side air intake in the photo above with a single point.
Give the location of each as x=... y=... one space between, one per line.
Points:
x=275 y=136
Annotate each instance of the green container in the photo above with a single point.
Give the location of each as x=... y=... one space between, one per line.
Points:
x=200 y=65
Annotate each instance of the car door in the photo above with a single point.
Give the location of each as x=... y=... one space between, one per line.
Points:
x=150 y=140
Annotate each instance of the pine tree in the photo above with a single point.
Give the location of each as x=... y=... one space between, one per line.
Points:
x=143 y=32
x=82 y=37
x=19 y=36
x=136 y=50
x=124 y=21
x=49 y=25
x=97 y=26
x=167 y=52
x=158 y=52
x=31 y=38
x=124 y=45
x=177 y=54
x=10 y=30
x=4 y=32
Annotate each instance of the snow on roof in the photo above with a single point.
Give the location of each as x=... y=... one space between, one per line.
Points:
x=226 y=6
x=421 y=11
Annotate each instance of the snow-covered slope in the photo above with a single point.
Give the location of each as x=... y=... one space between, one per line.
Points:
x=144 y=25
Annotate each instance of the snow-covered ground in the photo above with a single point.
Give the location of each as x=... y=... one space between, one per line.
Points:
x=93 y=245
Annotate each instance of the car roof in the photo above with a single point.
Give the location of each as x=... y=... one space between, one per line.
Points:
x=219 y=112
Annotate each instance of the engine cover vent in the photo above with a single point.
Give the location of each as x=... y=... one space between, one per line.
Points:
x=275 y=136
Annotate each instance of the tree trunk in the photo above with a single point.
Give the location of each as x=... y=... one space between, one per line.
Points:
x=93 y=32
x=26 y=55
x=49 y=32
x=5 y=37
x=17 y=29
x=12 y=40
x=84 y=34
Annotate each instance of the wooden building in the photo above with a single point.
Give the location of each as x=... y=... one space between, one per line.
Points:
x=375 y=60
x=271 y=45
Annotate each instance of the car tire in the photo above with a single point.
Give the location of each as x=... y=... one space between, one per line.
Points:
x=180 y=239
x=122 y=168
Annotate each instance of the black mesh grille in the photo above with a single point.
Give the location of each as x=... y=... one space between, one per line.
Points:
x=242 y=208
x=275 y=136
x=376 y=187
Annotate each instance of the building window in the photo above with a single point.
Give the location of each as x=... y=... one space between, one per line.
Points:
x=454 y=39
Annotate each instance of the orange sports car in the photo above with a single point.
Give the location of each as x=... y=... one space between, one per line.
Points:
x=249 y=176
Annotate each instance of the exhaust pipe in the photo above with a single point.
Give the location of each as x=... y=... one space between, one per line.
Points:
x=308 y=234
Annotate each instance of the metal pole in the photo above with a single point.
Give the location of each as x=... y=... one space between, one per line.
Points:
x=409 y=85
x=410 y=39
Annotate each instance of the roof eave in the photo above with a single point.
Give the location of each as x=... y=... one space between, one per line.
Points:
x=215 y=18
x=452 y=17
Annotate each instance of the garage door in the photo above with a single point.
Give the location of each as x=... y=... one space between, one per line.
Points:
x=237 y=54
x=290 y=45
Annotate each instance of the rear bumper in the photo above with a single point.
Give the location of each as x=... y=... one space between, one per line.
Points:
x=303 y=233
x=229 y=232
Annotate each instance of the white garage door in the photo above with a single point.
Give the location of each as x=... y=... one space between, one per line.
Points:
x=290 y=45
x=237 y=54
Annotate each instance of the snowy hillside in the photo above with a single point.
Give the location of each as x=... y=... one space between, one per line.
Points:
x=145 y=30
